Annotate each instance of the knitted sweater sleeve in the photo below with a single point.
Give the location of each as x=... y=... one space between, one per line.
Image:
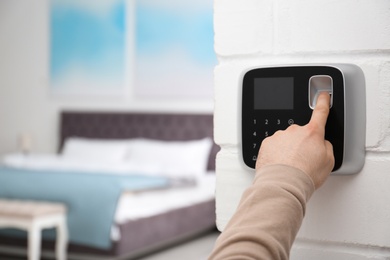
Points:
x=268 y=217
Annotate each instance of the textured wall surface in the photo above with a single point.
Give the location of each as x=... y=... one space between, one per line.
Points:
x=349 y=217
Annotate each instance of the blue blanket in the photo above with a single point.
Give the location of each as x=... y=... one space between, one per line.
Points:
x=91 y=199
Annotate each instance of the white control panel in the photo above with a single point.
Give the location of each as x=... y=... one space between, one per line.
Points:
x=275 y=97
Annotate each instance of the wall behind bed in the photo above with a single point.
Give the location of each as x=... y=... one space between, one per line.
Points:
x=26 y=104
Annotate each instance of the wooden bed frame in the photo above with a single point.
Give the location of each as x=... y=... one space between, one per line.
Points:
x=155 y=232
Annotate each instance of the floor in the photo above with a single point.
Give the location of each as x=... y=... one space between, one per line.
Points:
x=197 y=249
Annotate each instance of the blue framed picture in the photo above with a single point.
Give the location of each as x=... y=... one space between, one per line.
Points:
x=174 y=49
x=87 y=46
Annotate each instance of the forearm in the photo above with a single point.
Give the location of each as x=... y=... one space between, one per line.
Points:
x=268 y=217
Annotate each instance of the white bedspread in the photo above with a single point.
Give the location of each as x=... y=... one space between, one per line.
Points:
x=146 y=204
x=139 y=205
x=61 y=163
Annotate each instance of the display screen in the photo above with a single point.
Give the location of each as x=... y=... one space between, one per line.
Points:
x=274 y=93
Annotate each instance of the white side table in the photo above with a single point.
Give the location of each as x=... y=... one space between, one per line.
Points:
x=34 y=216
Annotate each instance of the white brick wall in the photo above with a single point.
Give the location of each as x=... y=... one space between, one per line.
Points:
x=349 y=217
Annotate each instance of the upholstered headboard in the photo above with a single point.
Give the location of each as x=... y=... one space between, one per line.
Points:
x=121 y=125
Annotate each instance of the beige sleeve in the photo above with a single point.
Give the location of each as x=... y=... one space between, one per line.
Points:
x=268 y=217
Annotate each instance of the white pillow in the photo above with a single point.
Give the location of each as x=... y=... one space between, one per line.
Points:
x=173 y=158
x=100 y=150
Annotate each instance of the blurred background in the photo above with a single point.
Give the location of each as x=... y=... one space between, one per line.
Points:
x=108 y=56
x=100 y=55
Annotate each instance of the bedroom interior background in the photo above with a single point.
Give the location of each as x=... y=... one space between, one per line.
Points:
x=30 y=112
x=28 y=107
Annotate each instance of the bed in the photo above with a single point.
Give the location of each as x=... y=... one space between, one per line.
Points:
x=153 y=227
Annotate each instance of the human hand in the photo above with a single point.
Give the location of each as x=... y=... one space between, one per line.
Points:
x=302 y=147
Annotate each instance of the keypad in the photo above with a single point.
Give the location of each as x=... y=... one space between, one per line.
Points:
x=264 y=127
x=273 y=98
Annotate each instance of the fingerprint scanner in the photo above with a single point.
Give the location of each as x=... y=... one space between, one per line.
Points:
x=318 y=84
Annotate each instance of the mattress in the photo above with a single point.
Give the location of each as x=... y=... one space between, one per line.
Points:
x=135 y=206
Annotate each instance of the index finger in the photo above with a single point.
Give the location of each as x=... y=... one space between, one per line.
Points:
x=321 y=110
